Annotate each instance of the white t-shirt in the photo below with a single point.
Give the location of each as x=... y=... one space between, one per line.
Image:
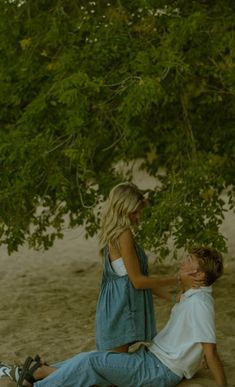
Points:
x=119 y=267
x=178 y=345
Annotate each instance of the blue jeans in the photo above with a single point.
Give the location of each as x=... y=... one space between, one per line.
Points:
x=137 y=369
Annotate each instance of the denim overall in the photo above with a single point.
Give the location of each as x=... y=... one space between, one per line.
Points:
x=124 y=314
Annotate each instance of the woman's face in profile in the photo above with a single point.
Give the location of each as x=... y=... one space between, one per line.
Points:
x=136 y=215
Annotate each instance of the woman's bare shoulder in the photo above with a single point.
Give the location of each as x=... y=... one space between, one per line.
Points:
x=126 y=236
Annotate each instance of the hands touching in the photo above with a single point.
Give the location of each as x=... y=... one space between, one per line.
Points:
x=190 y=275
x=191 y=279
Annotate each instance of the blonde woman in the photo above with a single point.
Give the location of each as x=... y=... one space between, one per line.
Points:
x=125 y=312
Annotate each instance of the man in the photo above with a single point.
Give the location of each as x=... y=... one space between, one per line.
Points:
x=176 y=352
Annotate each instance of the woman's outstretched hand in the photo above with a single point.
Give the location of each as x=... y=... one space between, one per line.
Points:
x=191 y=279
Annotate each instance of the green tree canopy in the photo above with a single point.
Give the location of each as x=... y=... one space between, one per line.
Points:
x=85 y=84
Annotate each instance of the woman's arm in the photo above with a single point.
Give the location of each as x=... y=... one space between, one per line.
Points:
x=214 y=363
x=139 y=280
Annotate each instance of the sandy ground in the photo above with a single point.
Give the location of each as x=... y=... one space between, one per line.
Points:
x=47 y=303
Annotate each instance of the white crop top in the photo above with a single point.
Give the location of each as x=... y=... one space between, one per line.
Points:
x=119 y=267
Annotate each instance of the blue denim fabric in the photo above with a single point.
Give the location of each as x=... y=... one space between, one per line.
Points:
x=123 y=314
x=138 y=369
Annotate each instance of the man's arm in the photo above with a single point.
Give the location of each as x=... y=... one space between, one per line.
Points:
x=214 y=364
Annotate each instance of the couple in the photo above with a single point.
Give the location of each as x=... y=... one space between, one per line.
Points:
x=174 y=353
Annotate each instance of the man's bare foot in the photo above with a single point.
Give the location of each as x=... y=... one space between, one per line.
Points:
x=40 y=373
x=30 y=371
x=34 y=370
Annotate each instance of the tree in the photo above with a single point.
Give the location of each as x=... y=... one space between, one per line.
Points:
x=86 y=84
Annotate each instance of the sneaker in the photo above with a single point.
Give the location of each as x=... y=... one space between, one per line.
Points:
x=12 y=372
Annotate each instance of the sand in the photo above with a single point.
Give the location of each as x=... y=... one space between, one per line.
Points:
x=48 y=303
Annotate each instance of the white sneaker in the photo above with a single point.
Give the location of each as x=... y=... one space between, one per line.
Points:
x=12 y=372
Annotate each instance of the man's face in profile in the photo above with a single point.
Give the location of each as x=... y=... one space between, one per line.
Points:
x=190 y=264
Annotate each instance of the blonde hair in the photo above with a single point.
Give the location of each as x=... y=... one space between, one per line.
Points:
x=123 y=199
x=210 y=262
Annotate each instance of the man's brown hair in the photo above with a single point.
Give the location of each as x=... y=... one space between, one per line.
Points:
x=210 y=262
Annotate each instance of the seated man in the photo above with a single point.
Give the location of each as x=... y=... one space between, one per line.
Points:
x=176 y=352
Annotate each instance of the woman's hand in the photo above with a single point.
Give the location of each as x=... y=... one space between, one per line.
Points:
x=193 y=279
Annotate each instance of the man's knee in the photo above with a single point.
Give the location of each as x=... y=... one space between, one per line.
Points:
x=83 y=359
